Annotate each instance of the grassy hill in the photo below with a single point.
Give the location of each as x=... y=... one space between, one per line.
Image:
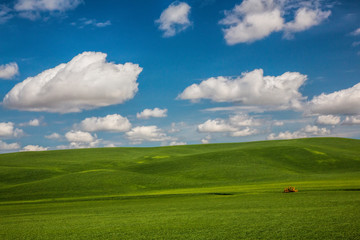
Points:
x=185 y=183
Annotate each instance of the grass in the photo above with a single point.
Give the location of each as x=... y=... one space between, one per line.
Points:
x=217 y=191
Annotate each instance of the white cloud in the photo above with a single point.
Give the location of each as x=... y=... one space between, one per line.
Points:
x=328 y=120
x=315 y=130
x=256 y=19
x=278 y=123
x=53 y=136
x=85 y=144
x=8 y=130
x=80 y=136
x=80 y=139
x=110 y=145
x=286 y=135
x=111 y=123
x=307 y=131
x=173 y=128
x=206 y=139
x=156 y=112
x=8 y=71
x=244 y=132
x=86 y=82
x=243 y=120
x=83 y=22
x=174 y=19
x=356 y=32
x=8 y=146
x=147 y=133
x=34 y=148
x=305 y=18
x=251 y=88
x=46 y=5
x=252 y=20
x=175 y=143
x=234 y=125
x=345 y=101
x=33 y=123
x=216 y=125
x=352 y=120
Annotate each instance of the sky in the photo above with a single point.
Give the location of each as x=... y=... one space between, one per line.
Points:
x=86 y=73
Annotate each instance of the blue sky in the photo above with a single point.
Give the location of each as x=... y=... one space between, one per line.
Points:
x=83 y=73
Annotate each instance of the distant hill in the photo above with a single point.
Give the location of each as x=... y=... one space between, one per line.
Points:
x=104 y=172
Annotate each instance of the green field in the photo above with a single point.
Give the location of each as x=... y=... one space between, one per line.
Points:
x=216 y=191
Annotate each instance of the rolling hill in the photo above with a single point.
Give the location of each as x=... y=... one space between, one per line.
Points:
x=133 y=171
x=215 y=191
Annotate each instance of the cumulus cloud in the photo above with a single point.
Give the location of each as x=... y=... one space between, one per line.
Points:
x=80 y=139
x=251 y=88
x=8 y=130
x=33 y=123
x=148 y=113
x=86 y=82
x=278 y=123
x=111 y=123
x=346 y=101
x=206 y=140
x=140 y=134
x=53 y=136
x=352 y=120
x=286 y=135
x=174 y=19
x=328 y=120
x=256 y=19
x=356 y=32
x=243 y=120
x=175 y=143
x=234 y=125
x=244 y=132
x=8 y=146
x=305 y=18
x=252 y=20
x=307 y=131
x=315 y=130
x=80 y=136
x=216 y=125
x=8 y=71
x=34 y=148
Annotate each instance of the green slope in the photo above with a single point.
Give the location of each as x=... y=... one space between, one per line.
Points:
x=116 y=172
x=217 y=191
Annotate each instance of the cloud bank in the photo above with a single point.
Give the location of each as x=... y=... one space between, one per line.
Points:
x=307 y=131
x=88 y=81
x=174 y=19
